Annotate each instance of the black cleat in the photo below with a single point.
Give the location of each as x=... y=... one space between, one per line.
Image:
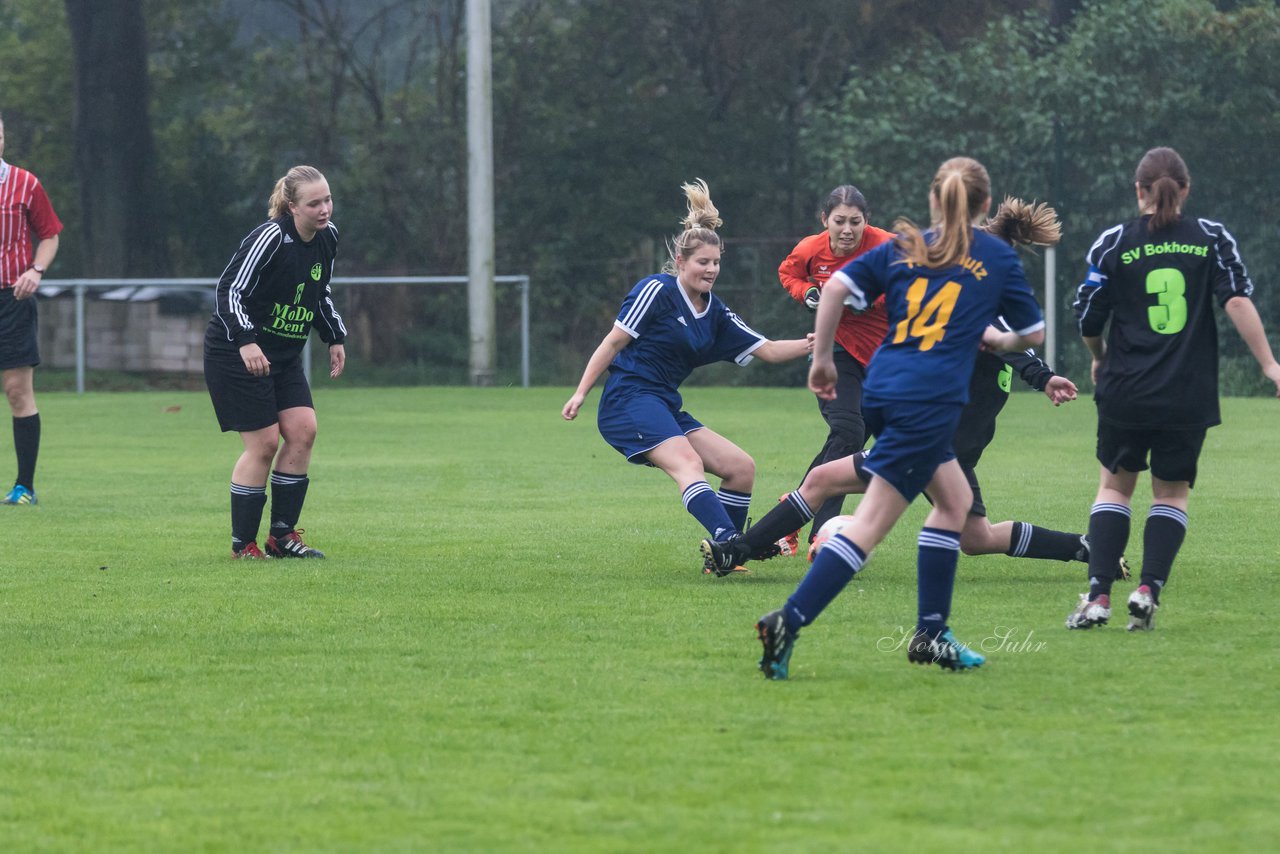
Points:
x=943 y=650
x=291 y=545
x=723 y=557
x=771 y=629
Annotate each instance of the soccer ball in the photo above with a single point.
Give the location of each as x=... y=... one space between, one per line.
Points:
x=829 y=529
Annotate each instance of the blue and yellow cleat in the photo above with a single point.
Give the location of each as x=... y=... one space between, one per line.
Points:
x=20 y=495
x=777 y=643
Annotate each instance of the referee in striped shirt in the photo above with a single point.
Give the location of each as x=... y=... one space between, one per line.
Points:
x=25 y=212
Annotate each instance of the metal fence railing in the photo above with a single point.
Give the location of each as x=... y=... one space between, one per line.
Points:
x=80 y=287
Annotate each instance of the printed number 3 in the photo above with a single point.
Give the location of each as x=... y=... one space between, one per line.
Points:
x=929 y=323
x=1169 y=315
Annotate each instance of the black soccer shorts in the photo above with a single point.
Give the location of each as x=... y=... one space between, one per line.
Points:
x=243 y=402
x=1174 y=453
x=19 y=327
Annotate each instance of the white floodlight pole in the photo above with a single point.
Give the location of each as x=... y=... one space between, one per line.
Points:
x=480 y=270
x=1051 y=307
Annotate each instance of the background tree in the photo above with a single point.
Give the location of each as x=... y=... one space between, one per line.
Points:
x=603 y=109
x=1125 y=76
x=122 y=216
x=35 y=79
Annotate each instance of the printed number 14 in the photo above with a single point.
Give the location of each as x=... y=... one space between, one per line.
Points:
x=928 y=323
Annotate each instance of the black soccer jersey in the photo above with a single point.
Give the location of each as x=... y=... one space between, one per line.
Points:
x=1157 y=289
x=276 y=289
x=989 y=388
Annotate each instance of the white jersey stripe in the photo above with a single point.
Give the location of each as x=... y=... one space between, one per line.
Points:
x=638 y=309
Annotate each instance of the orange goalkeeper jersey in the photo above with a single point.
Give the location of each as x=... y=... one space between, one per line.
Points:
x=812 y=263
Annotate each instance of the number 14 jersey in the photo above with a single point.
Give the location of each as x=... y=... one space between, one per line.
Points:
x=1157 y=289
x=937 y=316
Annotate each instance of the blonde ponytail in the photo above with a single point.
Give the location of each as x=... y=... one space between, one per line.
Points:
x=286 y=189
x=700 y=225
x=961 y=189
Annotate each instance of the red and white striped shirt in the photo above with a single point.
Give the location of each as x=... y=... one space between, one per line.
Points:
x=24 y=210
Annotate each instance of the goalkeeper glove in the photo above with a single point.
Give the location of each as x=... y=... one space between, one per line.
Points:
x=811 y=298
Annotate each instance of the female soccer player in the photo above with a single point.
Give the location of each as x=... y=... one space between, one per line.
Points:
x=273 y=292
x=1016 y=223
x=942 y=291
x=1155 y=279
x=670 y=324
x=845 y=217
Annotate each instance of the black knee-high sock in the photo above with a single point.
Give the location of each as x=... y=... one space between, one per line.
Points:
x=1028 y=540
x=26 y=444
x=246 y=513
x=1108 y=535
x=786 y=516
x=1161 y=539
x=288 y=491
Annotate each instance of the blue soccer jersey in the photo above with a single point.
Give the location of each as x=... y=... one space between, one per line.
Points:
x=937 y=317
x=671 y=337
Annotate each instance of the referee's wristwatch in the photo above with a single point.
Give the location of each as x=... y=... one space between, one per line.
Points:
x=38 y=268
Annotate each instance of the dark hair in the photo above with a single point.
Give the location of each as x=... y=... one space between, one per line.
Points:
x=1163 y=176
x=845 y=194
x=961 y=188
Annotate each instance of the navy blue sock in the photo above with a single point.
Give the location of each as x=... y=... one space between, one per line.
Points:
x=1161 y=539
x=1108 y=536
x=937 y=553
x=839 y=561
x=736 y=504
x=701 y=501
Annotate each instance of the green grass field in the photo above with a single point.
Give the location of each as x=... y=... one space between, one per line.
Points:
x=511 y=647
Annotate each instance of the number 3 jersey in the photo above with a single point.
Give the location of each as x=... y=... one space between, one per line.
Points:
x=1157 y=289
x=275 y=289
x=937 y=316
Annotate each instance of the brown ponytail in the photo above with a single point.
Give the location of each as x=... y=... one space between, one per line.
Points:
x=1162 y=174
x=1023 y=224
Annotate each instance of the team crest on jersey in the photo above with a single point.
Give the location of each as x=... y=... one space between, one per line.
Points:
x=316 y=270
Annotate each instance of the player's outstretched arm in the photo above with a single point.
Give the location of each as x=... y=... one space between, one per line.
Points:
x=999 y=341
x=785 y=351
x=612 y=345
x=1244 y=314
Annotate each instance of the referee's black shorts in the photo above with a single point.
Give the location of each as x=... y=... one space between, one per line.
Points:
x=243 y=402
x=19 y=325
